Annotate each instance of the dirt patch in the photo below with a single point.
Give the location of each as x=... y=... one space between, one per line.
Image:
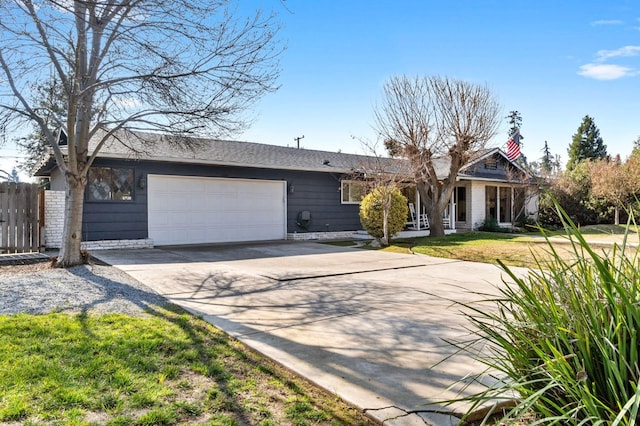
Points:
x=29 y=266
x=19 y=267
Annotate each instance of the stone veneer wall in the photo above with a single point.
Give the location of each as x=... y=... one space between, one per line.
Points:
x=303 y=236
x=54 y=222
x=117 y=244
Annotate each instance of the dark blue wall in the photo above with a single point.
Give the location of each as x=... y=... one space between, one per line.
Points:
x=316 y=192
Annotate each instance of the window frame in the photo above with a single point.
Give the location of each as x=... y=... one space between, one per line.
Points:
x=461 y=212
x=503 y=213
x=88 y=192
x=351 y=199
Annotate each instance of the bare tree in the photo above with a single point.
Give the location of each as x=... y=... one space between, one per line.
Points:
x=173 y=66
x=434 y=122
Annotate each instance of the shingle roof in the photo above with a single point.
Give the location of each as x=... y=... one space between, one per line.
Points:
x=156 y=147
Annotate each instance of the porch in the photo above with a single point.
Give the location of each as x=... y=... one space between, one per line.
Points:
x=418 y=221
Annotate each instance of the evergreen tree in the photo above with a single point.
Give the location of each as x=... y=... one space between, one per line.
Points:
x=515 y=121
x=587 y=144
x=557 y=163
x=547 y=159
x=636 y=146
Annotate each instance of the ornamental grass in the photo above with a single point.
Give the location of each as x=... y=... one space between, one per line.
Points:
x=560 y=342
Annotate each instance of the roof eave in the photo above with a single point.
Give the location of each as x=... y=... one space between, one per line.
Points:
x=198 y=161
x=485 y=179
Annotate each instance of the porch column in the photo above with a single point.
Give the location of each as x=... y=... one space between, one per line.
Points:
x=418 y=209
x=452 y=213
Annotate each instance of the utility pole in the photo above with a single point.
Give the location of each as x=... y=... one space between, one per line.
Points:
x=298 y=140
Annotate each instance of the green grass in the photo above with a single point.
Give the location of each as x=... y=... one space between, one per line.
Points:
x=165 y=369
x=606 y=230
x=486 y=247
x=510 y=249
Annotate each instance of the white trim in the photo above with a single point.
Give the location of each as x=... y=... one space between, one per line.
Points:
x=511 y=202
x=510 y=182
x=349 y=183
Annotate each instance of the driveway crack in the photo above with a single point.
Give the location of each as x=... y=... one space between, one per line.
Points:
x=339 y=274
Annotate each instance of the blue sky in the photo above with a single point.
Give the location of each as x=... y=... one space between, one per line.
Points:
x=553 y=61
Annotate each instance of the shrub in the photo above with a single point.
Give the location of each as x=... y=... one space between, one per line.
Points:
x=572 y=191
x=565 y=338
x=491 y=225
x=371 y=211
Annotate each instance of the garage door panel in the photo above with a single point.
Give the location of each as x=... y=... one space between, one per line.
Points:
x=192 y=210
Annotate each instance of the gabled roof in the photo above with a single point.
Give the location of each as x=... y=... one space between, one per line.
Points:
x=483 y=154
x=154 y=147
x=472 y=169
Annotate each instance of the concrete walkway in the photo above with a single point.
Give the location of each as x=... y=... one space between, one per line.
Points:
x=365 y=325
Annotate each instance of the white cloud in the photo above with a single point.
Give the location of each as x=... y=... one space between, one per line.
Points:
x=605 y=71
x=625 y=51
x=607 y=22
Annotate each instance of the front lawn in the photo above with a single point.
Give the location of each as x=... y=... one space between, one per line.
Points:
x=168 y=368
x=484 y=247
x=512 y=249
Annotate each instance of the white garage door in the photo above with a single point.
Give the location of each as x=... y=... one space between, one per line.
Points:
x=195 y=210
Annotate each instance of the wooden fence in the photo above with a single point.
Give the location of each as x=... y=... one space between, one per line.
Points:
x=19 y=212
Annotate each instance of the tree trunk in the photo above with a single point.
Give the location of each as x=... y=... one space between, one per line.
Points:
x=616 y=215
x=436 y=225
x=434 y=210
x=386 y=206
x=70 y=254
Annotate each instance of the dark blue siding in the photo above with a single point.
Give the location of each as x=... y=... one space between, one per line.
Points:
x=115 y=220
x=316 y=192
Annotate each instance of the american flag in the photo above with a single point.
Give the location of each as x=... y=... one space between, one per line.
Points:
x=513 y=146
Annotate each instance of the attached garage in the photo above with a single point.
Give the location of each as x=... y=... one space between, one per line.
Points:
x=197 y=210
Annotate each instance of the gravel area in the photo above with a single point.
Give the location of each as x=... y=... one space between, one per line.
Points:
x=39 y=289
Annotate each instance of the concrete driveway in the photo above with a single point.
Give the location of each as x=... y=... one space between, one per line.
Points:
x=365 y=325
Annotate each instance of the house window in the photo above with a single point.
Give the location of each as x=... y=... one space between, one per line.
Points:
x=110 y=184
x=505 y=204
x=461 y=203
x=352 y=192
x=518 y=205
x=491 y=202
